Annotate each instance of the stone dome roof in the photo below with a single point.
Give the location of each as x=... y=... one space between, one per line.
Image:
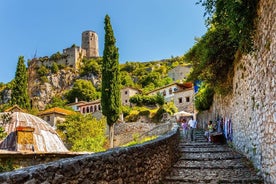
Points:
x=27 y=132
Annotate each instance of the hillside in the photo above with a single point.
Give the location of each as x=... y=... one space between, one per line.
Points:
x=46 y=83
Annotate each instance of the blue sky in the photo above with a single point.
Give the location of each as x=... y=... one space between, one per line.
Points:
x=145 y=30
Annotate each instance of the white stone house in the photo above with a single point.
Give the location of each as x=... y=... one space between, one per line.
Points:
x=184 y=100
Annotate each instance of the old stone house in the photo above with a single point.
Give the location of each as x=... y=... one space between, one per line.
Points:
x=183 y=100
x=54 y=115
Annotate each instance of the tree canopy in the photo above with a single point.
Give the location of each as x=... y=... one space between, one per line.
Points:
x=83 y=133
x=83 y=90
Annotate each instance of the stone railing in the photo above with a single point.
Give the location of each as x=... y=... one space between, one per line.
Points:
x=143 y=163
x=20 y=160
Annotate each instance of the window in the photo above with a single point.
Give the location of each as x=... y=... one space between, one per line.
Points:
x=187 y=99
x=125 y=101
x=91 y=109
x=83 y=110
x=170 y=91
x=87 y=109
x=125 y=92
x=164 y=93
x=48 y=118
x=179 y=100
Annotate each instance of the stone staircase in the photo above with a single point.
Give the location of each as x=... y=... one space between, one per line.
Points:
x=203 y=162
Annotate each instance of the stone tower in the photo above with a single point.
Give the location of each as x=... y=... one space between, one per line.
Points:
x=90 y=43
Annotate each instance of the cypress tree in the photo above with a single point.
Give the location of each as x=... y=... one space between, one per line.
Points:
x=19 y=94
x=110 y=99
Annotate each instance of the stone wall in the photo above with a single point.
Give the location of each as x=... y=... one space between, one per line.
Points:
x=20 y=160
x=252 y=105
x=144 y=163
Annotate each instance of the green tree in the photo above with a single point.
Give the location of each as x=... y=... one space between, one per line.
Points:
x=126 y=79
x=91 y=66
x=83 y=90
x=19 y=94
x=83 y=133
x=110 y=99
x=54 y=67
x=57 y=101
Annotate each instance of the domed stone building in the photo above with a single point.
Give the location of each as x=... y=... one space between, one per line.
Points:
x=29 y=133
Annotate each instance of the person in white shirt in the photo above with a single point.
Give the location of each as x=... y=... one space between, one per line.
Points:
x=192 y=123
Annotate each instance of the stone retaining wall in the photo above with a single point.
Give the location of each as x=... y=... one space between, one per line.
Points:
x=20 y=160
x=144 y=163
x=252 y=105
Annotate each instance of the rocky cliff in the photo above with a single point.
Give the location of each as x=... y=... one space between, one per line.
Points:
x=43 y=89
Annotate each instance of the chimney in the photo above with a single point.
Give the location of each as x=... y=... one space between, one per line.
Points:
x=25 y=139
x=76 y=100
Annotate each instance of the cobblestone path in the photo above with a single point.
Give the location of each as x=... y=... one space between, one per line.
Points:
x=203 y=162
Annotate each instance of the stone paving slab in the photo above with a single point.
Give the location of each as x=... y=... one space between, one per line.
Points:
x=211 y=156
x=212 y=175
x=205 y=149
x=237 y=163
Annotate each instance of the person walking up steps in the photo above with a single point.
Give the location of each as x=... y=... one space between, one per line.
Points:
x=184 y=125
x=192 y=123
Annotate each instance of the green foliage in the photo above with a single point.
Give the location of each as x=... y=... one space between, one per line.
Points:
x=54 y=67
x=126 y=110
x=238 y=16
x=57 y=101
x=83 y=90
x=83 y=133
x=42 y=71
x=126 y=79
x=56 y=56
x=159 y=99
x=135 y=112
x=2 y=85
x=231 y=30
x=137 y=140
x=6 y=165
x=212 y=57
x=44 y=79
x=3 y=134
x=146 y=100
x=168 y=108
x=204 y=97
x=110 y=99
x=91 y=66
x=19 y=94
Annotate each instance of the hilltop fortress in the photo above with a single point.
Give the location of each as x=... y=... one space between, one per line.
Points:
x=73 y=55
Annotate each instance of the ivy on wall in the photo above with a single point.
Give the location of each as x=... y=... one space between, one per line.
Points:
x=231 y=26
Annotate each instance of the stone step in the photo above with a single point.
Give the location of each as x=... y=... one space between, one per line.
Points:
x=211 y=156
x=204 y=150
x=215 y=164
x=236 y=175
x=176 y=180
x=199 y=145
